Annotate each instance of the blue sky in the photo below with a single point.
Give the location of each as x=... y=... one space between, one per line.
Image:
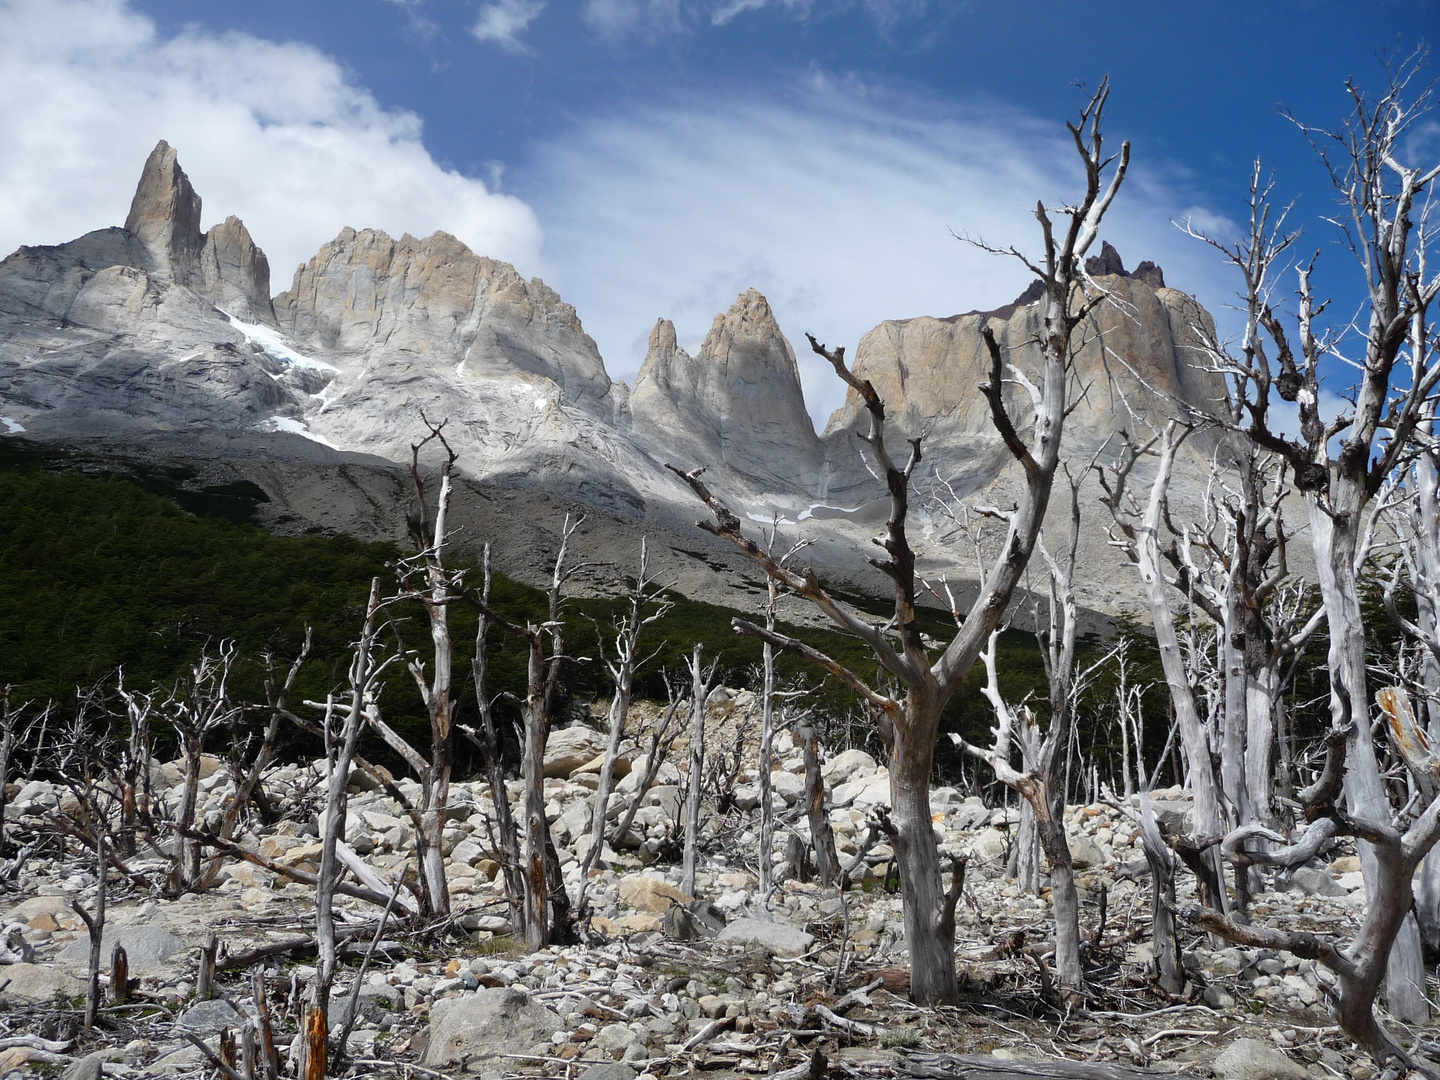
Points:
x=655 y=157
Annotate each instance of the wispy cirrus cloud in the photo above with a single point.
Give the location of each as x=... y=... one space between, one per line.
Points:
x=278 y=134
x=658 y=18
x=502 y=22
x=840 y=203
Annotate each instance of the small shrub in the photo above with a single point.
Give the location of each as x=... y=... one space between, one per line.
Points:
x=900 y=1037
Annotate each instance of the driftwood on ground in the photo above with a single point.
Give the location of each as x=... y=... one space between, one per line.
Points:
x=922 y=1066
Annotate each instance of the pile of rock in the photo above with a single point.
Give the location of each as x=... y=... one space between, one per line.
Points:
x=596 y=1004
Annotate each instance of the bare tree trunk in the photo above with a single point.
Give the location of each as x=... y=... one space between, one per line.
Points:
x=766 y=864
x=1163 y=941
x=627 y=659
x=339 y=753
x=822 y=838
x=434 y=595
x=1027 y=834
x=95 y=924
x=1145 y=550
x=1360 y=965
x=662 y=739
x=506 y=838
x=1335 y=555
x=134 y=763
x=702 y=682
x=532 y=772
x=929 y=914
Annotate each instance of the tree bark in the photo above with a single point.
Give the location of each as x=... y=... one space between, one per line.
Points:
x=822 y=838
x=340 y=753
x=929 y=915
x=702 y=683
x=766 y=864
x=1335 y=551
x=532 y=771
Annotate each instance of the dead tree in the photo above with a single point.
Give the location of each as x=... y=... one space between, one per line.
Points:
x=1398 y=840
x=246 y=772
x=1040 y=780
x=135 y=761
x=84 y=758
x=342 y=729
x=911 y=716
x=546 y=912
x=662 y=738
x=1137 y=533
x=1129 y=718
x=765 y=864
x=424 y=579
x=1383 y=223
x=1413 y=514
x=196 y=707
x=1160 y=857
x=702 y=684
x=767 y=732
x=822 y=837
x=504 y=837
x=15 y=730
x=646 y=606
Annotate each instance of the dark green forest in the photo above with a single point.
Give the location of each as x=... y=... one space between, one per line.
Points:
x=129 y=570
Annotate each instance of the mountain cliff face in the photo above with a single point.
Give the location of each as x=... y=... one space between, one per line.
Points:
x=405 y=327
x=157 y=327
x=736 y=405
x=1139 y=365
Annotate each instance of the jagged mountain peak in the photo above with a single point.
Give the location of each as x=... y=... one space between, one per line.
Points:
x=225 y=265
x=165 y=214
x=736 y=404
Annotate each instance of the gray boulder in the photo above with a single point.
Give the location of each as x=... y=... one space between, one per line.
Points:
x=372 y=1004
x=211 y=1017
x=693 y=921
x=1085 y=853
x=776 y=938
x=970 y=815
x=146 y=947
x=1316 y=883
x=1251 y=1059
x=609 y=1070
x=569 y=748
x=489 y=1023
x=38 y=982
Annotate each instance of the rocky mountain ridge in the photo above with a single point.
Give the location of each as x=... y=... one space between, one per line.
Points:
x=157 y=330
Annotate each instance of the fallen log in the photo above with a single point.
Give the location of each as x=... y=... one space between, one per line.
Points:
x=927 y=1066
x=297 y=947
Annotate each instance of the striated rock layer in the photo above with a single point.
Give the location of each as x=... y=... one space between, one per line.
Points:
x=158 y=327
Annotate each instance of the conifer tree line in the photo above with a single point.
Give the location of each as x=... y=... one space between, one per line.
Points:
x=1288 y=674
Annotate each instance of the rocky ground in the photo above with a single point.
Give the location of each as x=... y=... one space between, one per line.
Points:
x=668 y=985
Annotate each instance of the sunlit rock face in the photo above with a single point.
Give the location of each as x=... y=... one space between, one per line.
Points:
x=1141 y=361
x=736 y=405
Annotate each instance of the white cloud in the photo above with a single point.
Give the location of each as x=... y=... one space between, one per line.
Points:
x=503 y=21
x=727 y=10
x=277 y=134
x=647 y=18
x=838 y=203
